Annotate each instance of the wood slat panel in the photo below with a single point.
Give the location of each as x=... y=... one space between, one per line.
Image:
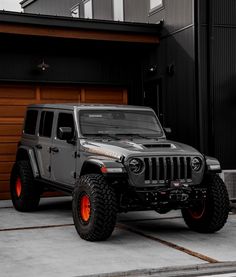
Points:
x=10 y=129
x=12 y=111
x=17 y=92
x=7 y=158
x=4 y=186
x=17 y=102
x=5 y=167
x=5 y=195
x=8 y=148
x=6 y=139
x=71 y=94
x=4 y=177
x=14 y=120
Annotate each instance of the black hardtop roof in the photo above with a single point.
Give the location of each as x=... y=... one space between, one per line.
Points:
x=81 y=106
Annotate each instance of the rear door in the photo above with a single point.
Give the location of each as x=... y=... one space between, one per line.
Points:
x=43 y=147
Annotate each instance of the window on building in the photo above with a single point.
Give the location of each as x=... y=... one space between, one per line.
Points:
x=45 y=126
x=155 y=4
x=88 y=9
x=30 y=122
x=75 y=11
x=118 y=10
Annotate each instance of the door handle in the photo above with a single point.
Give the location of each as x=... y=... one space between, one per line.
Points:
x=54 y=149
x=39 y=146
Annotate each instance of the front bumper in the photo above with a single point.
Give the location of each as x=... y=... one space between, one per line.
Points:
x=165 y=199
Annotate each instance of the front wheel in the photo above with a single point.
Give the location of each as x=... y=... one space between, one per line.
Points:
x=94 y=208
x=211 y=214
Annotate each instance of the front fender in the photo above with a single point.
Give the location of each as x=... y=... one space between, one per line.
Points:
x=212 y=165
x=105 y=166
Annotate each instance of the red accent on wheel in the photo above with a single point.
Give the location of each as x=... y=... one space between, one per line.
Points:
x=18 y=187
x=197 y=212
x=85 y=208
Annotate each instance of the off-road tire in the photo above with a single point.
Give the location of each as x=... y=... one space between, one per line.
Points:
x=103 y=208
x=27 y=199
x=216 y=207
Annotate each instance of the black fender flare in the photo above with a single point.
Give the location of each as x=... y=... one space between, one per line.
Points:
x=212 y=165
x=27 y=153
x=100 y=166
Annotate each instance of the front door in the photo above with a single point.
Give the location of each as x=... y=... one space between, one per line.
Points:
x=63 y=153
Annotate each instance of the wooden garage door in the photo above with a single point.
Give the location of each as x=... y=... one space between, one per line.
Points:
x=13 y=102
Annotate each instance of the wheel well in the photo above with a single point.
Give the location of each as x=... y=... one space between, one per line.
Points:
x=89 y=168
x=22 y=155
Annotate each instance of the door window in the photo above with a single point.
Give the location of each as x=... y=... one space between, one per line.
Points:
x=45 y=127
x=65 y=120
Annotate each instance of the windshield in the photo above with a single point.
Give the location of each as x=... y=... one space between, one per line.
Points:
x=119 y=122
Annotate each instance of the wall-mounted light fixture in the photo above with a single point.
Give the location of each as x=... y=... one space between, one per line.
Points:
x=171 y=69
x=43 y=66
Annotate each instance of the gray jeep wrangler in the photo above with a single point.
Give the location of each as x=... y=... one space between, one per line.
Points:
x=114 y=159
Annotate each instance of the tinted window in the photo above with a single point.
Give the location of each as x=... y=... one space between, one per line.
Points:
x=65 y=120
x=30 y=122
x=45 y=127
x=119 y=122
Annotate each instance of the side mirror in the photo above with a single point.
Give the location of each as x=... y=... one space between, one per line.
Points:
x=65 y=133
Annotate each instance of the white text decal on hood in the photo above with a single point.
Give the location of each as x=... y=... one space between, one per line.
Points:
x=96 y=149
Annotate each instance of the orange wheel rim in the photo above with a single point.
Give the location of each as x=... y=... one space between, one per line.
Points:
x=198 y=212
x=18 y=187
x=85 y=208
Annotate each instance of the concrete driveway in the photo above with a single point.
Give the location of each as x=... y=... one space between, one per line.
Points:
x=45 y=243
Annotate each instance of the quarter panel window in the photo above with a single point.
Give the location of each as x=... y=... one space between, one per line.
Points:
x=30 y=122
x=65 y=120
x=46 y=121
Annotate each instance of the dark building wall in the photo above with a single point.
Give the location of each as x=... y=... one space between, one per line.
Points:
x=177 y=14
x=218 y=72
x=73 y=62
x=177 y=52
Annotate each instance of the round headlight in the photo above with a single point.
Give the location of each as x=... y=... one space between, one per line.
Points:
x=136 y=166
x=196 y=164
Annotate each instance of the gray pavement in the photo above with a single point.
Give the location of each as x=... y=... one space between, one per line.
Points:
x=45 y=243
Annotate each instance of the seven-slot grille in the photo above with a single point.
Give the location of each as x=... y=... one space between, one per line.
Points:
x=160 y=169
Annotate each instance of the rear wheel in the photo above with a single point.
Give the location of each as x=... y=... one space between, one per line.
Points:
x=211 y=214
x=25 y=194
x=94 y=208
